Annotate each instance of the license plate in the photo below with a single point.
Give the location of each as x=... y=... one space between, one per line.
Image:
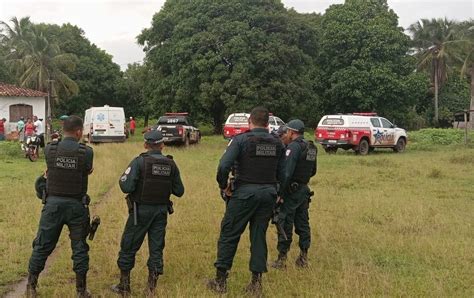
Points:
x=100 y=132
x=237 y=131
x=332 y=141
x=165 y=139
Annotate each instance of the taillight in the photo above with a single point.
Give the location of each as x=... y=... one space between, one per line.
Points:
x=180 y=131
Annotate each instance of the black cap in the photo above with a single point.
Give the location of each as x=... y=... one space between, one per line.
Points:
x=153 y=137
x=296 y=125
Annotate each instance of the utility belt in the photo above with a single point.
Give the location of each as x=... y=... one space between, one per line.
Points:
x=133 y=208
x=85 y=199
x=237 y=183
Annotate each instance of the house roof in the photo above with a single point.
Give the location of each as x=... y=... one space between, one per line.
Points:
x=15 y=91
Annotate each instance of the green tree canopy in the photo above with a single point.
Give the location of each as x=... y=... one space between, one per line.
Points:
x=217 y=57
x=364 y=61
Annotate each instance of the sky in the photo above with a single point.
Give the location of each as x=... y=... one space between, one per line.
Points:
x=114 y=24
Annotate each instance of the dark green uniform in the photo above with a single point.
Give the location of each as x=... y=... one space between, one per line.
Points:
x=294 y=210
x=151 y=218
x=63 y=210
x=251 y=202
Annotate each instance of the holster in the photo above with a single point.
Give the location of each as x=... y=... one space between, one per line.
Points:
x=170 y=208
x=129 y=204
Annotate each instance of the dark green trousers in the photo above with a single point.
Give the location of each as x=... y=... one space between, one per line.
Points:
x=251 y=203
x=56 y=213
x=294 y=212
x=152 y=220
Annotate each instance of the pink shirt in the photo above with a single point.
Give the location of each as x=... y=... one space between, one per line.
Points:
x=29 y=129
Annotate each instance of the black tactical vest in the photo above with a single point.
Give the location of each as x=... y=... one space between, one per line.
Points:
x=259 y=162
x=67 y=174
x=306 y=163
x=155 y=184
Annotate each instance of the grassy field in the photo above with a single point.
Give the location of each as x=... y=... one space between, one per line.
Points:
x=386 y=224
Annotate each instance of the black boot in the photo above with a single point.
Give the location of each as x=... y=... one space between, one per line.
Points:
x=255 y=286
x=302 y=260
x=280 y=263
x=81 y=286
x=219 y=284
x=152 y=281
x=31 y=286
x=123 y=288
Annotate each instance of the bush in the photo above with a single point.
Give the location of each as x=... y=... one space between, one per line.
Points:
x=10 y=149
x=437 y=136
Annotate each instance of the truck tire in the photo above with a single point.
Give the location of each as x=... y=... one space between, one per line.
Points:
x=363 y=148
x=400 y=146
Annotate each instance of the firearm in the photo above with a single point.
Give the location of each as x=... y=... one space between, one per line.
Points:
x=94 y=226
x=276 y=220
x=132 y=207
x=44 y=195
x=226 y=193
x=170 y=208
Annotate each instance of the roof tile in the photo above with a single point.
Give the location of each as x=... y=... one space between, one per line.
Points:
x=15 y=91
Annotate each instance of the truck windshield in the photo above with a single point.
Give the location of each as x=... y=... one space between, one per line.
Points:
x=241 y=119
x=174 y=120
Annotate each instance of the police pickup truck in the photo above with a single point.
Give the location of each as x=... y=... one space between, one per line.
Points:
x=361 y=132
x=178 y=128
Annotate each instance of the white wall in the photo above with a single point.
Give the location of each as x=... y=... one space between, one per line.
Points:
x=38 y=104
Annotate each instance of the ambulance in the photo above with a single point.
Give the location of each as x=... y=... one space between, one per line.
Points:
x=104 y=124
x=361 y=132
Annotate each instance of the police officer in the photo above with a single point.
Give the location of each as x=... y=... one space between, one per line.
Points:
x=68 y=165
x=257 y=158
x=300 y=165
x=150 y=179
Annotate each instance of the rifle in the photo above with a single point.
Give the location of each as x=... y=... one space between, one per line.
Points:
x=276 y=220
x=132 y=207
x=94 y=226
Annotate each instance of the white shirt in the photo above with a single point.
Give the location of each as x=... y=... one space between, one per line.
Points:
x=39 y=127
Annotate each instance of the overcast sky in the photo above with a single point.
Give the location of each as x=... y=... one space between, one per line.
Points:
x=114 y=24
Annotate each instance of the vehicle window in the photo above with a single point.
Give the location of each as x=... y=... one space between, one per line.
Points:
x=375 y=122
x=386 y=123
x=173 y=120
x=241 y=119
x=333 y=121
x=280 y=122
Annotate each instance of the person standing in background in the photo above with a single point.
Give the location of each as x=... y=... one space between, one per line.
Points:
x=2 y=129
x=132 y=126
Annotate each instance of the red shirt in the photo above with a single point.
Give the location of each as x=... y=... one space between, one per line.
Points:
x=2 y=127
x=132 y=124
x=29 y=129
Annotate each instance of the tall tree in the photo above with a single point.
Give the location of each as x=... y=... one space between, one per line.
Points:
x=432 y=40
x=216 y=57
x=364 y=61
x=466 y=51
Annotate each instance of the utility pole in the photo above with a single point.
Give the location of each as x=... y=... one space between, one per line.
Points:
x=48 y=121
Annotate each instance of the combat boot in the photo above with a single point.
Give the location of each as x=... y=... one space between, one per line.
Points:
x=280 y=263
x=123 y=288
x=219 y=284
x=152 y=281
x=302 y=260
x=31 y=285
x=255 y=286
x=81 y=286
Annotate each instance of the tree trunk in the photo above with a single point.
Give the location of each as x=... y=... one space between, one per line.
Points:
x=471 y=107
x=146 y=119
x=218 y=109
x=436 y=117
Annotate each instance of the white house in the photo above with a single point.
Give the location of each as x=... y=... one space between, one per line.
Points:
x=16 y=102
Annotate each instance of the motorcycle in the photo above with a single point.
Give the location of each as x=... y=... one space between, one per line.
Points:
x=32 y=147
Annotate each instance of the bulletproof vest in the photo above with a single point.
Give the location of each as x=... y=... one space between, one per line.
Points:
x=67 y=174
x=155 y=184
x=258 y=164
x=306 y=162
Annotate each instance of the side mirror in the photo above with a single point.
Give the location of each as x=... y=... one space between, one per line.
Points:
x=393 y=126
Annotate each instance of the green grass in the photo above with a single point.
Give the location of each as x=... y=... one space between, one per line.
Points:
x=385 y=224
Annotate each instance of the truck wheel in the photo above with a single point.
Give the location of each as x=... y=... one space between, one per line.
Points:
x=330 y=150
x=363 y=148
x=400 y=146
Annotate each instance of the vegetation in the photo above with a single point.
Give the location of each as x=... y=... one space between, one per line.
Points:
x=212 y=58
x=387 y=224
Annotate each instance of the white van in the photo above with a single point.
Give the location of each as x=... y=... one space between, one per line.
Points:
x=104 y=124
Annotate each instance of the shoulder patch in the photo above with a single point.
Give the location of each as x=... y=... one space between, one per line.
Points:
x=127 y=171
x=123 y=178
x=230 y=142
x=288 y=152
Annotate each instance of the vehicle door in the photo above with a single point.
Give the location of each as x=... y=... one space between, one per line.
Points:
x=100 y=120
x=116 y=123
x=389 y=132
x=376 y=138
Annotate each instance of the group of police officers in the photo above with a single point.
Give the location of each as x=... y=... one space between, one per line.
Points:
x=268 y=170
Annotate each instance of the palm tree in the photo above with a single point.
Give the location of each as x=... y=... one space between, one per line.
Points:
x=466 y=40
x=431 y=39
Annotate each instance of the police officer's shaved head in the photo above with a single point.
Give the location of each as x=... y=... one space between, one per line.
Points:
x=259 y=116
x=72 y=124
